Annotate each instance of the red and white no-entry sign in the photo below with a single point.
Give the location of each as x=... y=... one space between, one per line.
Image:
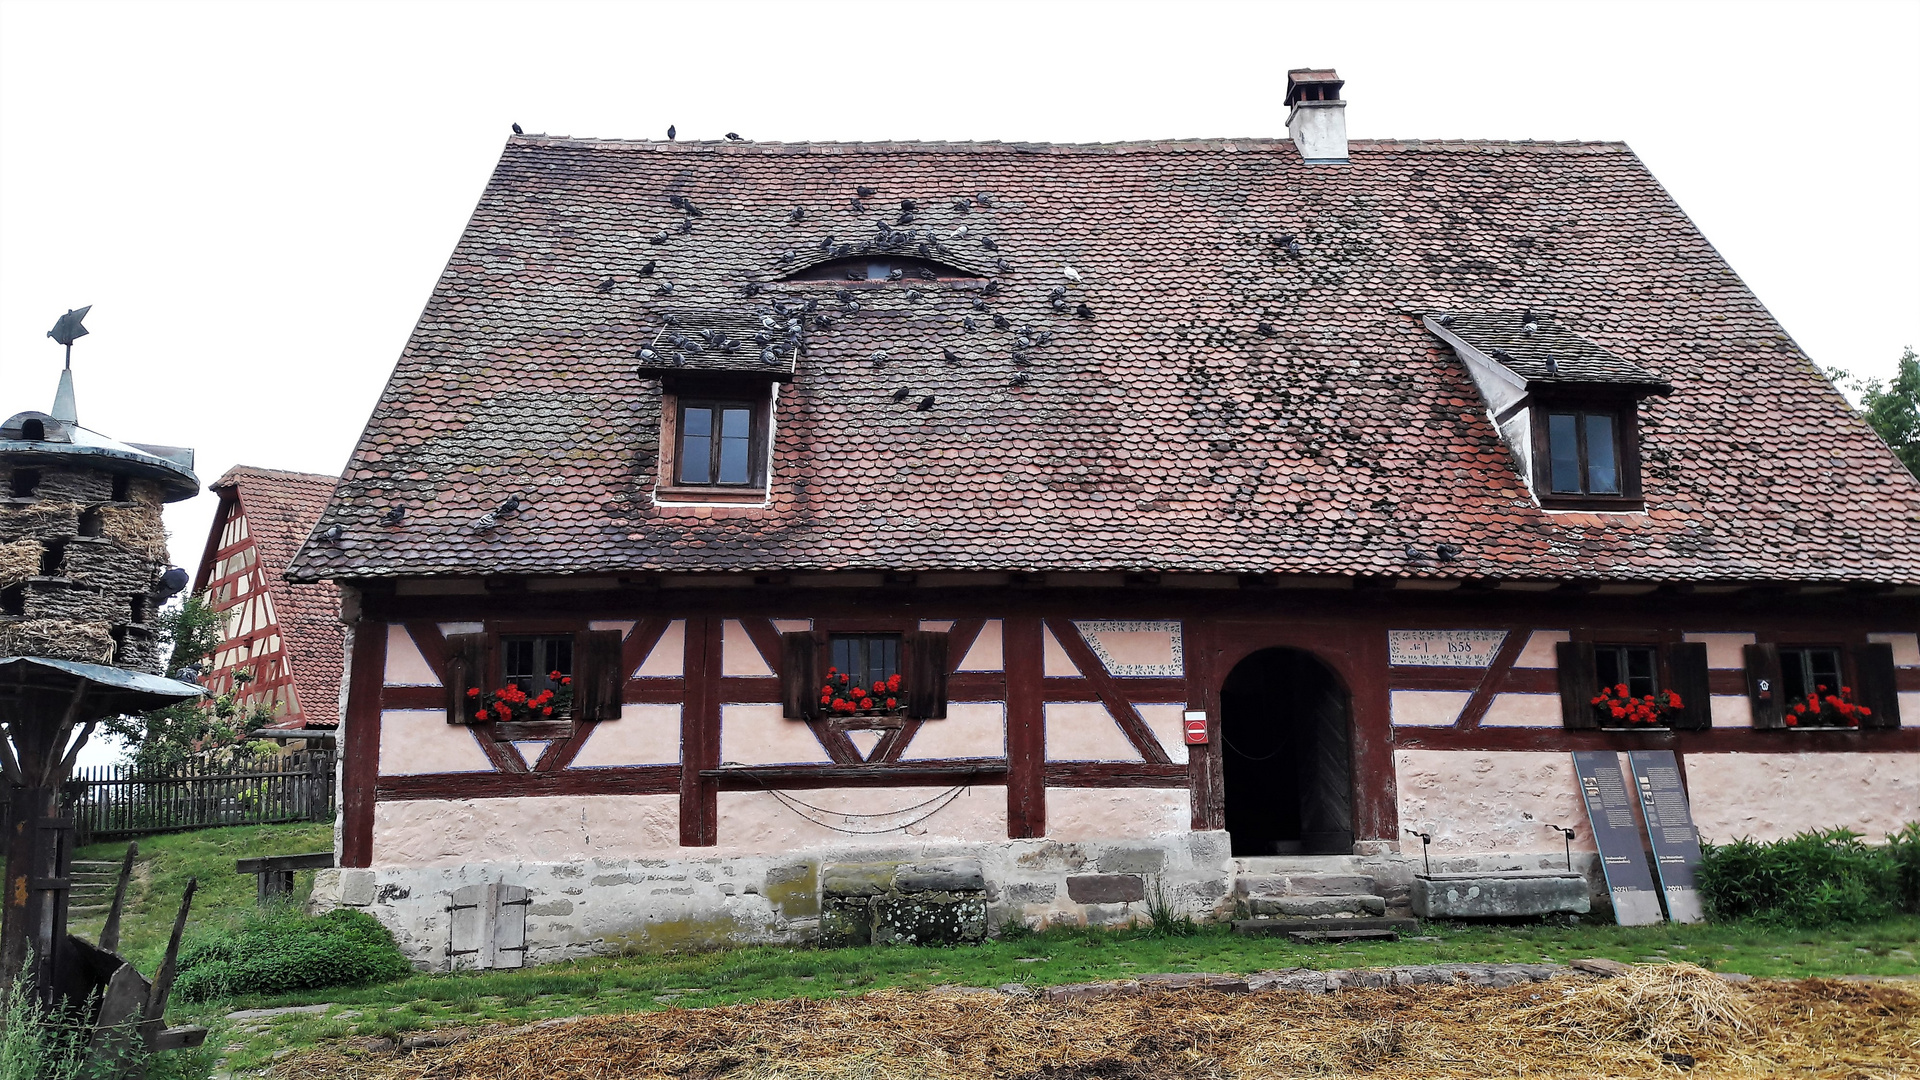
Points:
x=1196 y=726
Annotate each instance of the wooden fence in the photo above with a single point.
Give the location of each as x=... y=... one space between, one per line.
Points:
x=110 y=801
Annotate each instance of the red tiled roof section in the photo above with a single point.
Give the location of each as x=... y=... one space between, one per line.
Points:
x=1167 y=433
x=281 y=508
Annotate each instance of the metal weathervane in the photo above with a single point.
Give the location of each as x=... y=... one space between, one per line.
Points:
x=68 y=330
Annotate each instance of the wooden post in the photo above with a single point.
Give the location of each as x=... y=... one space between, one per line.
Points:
x=1026 y=727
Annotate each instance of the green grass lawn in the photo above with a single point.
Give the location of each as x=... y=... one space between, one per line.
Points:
x=625 y=984
x=166 y=862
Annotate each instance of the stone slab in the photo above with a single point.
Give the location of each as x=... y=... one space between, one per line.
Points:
x=1320 y=936
x=941 y=875
x=1314 y=907
x=929 y=918
x=1286 y=926
x=1499 y=896
x=1106 y=888
x=857 y=879
x=1094 y=991
x=1195 y=980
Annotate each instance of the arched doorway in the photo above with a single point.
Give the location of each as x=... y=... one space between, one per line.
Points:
x=1287 y=733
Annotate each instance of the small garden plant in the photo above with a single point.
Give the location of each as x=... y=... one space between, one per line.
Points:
x=1814 y=879
x=280 y=949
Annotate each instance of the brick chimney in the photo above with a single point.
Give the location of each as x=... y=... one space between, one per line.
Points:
x=1318 y=122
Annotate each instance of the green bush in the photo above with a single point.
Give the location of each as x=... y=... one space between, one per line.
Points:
x=1812 y=879
x=279 y=950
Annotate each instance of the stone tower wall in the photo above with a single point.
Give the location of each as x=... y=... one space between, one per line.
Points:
x=79 y=568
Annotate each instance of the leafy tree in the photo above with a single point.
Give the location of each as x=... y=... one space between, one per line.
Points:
x=161 y=740
x=1892 y=409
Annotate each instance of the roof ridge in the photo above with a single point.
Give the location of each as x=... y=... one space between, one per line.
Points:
x=262 y=471
x=1225 y=143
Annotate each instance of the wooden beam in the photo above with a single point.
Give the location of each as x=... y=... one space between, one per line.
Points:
x=1132 y=724
x=1711 y=741
x=1492 y=679
x=960 y=639
x=1022 y=650
x=1205 y=766
x=912 y=774
x=700 y=733
x=624 y=780
x=360 y=772
x=1128 y=774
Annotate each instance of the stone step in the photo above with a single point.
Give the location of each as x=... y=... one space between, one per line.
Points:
x=1317 y=907
x=97 y=865
x=1321 y=936
x=82 y=911
x=1264 y=927
x=1305 y=884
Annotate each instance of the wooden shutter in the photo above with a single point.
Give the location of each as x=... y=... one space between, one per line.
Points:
x=599 y=678
x=1763 y=686
x=1687 y=675
x=466 y=670
x=800 y=676
x=1876 y=685
x=926 y=675
x=1577 y=686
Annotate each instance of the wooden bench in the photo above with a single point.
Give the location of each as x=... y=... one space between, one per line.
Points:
x=273 y=874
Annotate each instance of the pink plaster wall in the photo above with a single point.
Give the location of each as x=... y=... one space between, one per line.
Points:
x=1770 y=796
x=644 y=735
x=985 y=653
x=1906 y=648
x=1085 y=731
x=756 y=822
x=455 y=832
x=1057 y=662
x=1117 y=813
x=405 y=665
x=1428 y=708
x=1167 y=726
x=1539 y=651
x=971 y=729
x=738 y=654
x=759 y=735
x=667 y=660
x=1731 y=711
x=1134 y=646
x=417 y=741
x=1724 y=651
x=1523 y=710
x=1475 y=801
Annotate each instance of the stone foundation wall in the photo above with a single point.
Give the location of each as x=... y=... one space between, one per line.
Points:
x=604 y=906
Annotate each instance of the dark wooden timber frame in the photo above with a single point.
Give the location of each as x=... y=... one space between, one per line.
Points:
x=1346 y=629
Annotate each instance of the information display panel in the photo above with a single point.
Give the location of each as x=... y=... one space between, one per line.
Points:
x=1676 y=843
x=1609 y=800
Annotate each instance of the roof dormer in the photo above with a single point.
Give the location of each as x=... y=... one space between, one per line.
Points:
x=1566 y=408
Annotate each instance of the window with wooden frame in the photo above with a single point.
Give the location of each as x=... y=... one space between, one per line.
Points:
x=1586 y=454
x=1596 y=670
x=917 y=657
x=1782 y=675
x=713 y=441
x=494 y=678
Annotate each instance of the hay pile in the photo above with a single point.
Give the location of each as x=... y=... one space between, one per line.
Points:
x=19 y=561
x=1677 y=1021
x=58 y=639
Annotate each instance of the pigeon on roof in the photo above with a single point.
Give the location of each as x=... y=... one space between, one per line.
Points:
x=670 y=133
x=517 y=131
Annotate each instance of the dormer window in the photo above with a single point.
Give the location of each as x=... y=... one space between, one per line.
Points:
x=880 y=268
x=1568 y=409
x=717 y=443
x=1583 y=453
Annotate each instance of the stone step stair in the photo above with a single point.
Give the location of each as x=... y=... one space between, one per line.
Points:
x=1315 y=905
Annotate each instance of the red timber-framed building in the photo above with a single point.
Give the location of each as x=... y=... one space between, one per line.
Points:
x=285 y=637
x=1377 y=460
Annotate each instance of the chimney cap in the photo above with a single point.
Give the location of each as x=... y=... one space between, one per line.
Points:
x=1325 y=84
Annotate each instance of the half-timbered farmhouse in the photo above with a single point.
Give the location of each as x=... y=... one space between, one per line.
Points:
x=280 y=641
x=1180 y=511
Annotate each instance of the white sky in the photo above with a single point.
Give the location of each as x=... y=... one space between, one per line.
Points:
x=257 y=197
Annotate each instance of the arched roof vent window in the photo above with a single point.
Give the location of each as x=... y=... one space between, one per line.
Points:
x=880 y=266
x=33 y=431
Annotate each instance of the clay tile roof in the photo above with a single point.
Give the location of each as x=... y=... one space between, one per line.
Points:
x=281 y=509
x=1537 y=348
x=1170 y=431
